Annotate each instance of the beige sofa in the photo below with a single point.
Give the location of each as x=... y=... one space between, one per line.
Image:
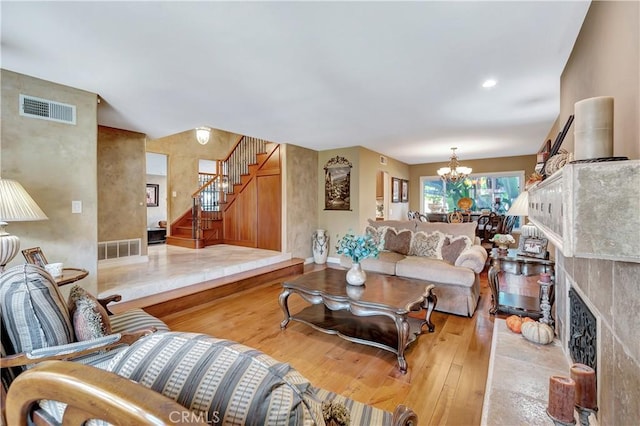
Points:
x=446 y=254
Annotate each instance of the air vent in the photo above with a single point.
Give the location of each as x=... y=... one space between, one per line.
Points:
x=44 y=109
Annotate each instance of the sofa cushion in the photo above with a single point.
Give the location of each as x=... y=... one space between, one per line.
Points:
x=399 y=225
x=455 y=229
x=34 y=313
x=453 y=246
x=434 y=270
x=385 y=263
x=90 y=318
x=227 y=382
x=397 y=241
x=427 y=244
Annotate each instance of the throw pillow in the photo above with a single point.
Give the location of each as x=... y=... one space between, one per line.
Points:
x=377 y=234
x=427 y=244
x=399 y=242
x=453 y=246
x=89 y=317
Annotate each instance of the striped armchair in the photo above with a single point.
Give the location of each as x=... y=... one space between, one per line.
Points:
x=216 y=381
x=37 y=325
x=223 y=382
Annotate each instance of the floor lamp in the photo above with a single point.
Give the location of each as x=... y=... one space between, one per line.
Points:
x=16 y=205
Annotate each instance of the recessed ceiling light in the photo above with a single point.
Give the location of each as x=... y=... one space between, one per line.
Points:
x=488 y=84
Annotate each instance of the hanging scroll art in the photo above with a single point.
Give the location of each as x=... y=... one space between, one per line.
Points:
x=337 y=184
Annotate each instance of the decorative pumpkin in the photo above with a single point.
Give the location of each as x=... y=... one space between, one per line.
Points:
x=514 y=322
x=537 y=332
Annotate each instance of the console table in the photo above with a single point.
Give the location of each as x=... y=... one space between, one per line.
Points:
x=512 y=263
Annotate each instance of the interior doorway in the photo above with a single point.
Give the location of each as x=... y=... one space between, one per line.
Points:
x=157 y=203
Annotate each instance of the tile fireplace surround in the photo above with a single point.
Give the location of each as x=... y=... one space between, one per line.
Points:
x=590 y=213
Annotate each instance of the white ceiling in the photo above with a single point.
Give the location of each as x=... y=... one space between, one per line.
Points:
x=400 y=78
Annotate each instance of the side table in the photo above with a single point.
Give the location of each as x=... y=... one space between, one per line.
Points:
x=512 y=263
x=71 y=275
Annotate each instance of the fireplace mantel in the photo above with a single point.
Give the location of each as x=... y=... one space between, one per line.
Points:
x=591 y=210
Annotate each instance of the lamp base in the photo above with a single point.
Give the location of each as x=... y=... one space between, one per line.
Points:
x=9 y=246
x=530 y=230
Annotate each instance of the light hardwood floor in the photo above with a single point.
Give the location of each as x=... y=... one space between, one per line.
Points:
x=447 y=372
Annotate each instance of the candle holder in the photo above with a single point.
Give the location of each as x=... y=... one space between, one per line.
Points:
x=545 y=303
x=559 y=422
x=584 y=413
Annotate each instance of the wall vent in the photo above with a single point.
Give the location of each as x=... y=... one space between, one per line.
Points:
x=117 y=249
x=44 y=109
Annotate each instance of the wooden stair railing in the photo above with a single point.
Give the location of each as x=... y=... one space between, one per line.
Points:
x=201 y=225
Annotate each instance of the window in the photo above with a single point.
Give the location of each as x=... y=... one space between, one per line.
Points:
x=489 y=191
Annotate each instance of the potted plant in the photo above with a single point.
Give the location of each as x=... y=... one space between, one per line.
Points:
x=357 y=248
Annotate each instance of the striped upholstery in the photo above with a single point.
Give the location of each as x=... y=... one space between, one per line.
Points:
x=135 y=320
x=359 y=413
x=219 y=378
x=34 y=314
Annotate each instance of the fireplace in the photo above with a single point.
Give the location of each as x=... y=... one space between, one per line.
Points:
x=582 y=339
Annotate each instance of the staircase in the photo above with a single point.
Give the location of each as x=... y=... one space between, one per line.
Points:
x=203 y=224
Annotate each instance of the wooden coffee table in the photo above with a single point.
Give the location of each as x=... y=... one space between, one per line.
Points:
x=375 y=314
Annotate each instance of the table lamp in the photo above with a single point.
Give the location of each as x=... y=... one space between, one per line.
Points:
x=16 y=205
x=520 y=207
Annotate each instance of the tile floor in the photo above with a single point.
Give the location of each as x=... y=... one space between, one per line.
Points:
x=170 y=267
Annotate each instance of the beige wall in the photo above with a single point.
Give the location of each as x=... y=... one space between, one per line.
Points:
x=183 y=152
x=366 y=165
x=122 y=209
x=300 y=179
x=605 y=61
x=370 y=166
x=527 y=163
x=56 y=164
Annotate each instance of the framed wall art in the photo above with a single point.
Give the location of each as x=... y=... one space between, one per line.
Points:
x=152 y=194
x=404 y=191
x=395 y=190
x=337 y=184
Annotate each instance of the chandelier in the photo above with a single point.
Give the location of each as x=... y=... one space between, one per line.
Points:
x=454 y=172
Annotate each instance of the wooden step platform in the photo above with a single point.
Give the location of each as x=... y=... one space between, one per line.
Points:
x=167 y=302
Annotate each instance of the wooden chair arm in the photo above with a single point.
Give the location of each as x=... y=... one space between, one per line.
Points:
x=22 y=359
x=104 y=301
x=92 y=393
x=404 y=416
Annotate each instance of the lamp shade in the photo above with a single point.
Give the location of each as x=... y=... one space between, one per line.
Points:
x=16 y=205
x=520 y=206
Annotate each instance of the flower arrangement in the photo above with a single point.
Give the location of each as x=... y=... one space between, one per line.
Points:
x=502 y=239
x=358 y=247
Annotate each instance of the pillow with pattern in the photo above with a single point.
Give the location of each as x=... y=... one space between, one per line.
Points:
x=377 y=234
x=453 y=246
x=399 y=242
x=89 y=317
x=427 y=244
